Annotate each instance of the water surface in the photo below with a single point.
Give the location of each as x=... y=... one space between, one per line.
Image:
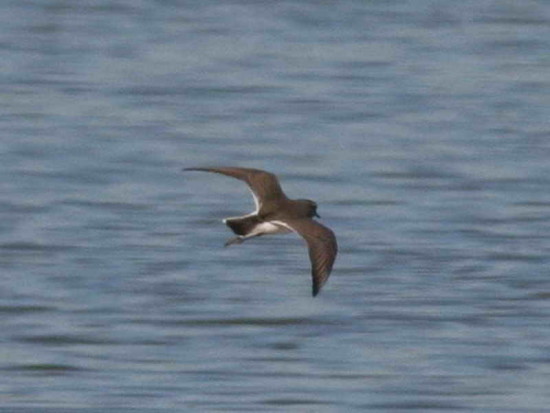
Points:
x=421 y=129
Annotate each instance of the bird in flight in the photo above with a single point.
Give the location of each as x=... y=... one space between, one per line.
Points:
x=275 y=213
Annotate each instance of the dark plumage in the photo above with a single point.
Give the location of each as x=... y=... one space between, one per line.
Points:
x=275 y=213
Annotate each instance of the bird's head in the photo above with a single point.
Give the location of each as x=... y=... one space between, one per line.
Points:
x=310 y=207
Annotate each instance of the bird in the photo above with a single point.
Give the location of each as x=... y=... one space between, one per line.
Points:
x=275 y=213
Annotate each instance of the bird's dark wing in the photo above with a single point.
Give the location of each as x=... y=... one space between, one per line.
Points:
x=264 y=185
x=322 y=246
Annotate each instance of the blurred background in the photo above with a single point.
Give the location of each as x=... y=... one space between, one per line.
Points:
x=420 y=127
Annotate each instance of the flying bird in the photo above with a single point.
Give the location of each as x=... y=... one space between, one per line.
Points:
x=275 y=213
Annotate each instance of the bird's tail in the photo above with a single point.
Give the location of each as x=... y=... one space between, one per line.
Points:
x=242 y=225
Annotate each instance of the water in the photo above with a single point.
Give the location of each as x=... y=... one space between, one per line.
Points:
x=420 y=127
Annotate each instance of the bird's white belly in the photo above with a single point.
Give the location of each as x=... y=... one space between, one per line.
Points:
x=269 y=228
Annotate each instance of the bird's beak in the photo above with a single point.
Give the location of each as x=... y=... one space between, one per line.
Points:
x=316 y=215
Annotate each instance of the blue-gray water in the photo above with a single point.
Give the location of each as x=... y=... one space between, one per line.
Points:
x=422 y=129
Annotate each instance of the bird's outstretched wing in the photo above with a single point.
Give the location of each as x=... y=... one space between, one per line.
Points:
x=322 y=246
x=264 y=185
